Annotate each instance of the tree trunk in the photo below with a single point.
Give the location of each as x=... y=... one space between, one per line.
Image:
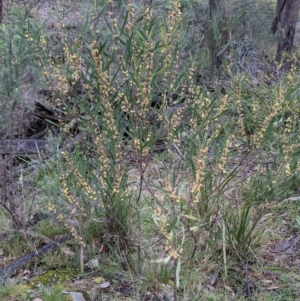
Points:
x=287 y=15
x=279 y=8
x=1 y=11
x=219 y=33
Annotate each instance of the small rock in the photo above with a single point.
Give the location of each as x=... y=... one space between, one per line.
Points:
x=77 y=296
x=125 y=290
x=93 y=263
x=105 y=284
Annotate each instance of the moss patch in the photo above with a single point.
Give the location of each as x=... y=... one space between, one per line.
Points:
x=53 y=276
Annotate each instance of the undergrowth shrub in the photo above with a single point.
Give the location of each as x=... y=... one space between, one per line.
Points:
x=255 y=25
x=161 y=167
x=15 y=57
x=17 y=72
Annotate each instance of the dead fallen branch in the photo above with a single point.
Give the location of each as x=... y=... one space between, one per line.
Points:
x=22 y=146
x=13 y=268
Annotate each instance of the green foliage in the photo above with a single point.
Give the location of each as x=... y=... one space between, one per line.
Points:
x=241 y=231
x=13 y=290
x=16 y=55
x=122 y=114
x=53 y=294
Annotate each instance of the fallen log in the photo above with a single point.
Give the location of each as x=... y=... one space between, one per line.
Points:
x=22 y=146
x=13 y=268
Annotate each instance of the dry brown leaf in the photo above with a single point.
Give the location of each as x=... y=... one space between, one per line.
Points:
x=67 y=251
x=265 y=217
x=213 y=280
x=266 y=281
x=228 y=288
x=73 y=211
x=26 y=272
x=272 y=288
